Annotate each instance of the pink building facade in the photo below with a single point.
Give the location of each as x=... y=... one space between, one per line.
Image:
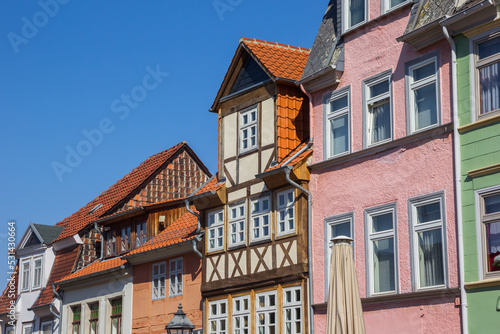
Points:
x=382 y=167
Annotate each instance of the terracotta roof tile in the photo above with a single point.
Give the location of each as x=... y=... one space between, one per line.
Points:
x=95 y=268
x=284 y=162
x=114 y=194
x=282 y=61
x=182 y=229
x=63 y=265
x=212 y=185
x=4 y=299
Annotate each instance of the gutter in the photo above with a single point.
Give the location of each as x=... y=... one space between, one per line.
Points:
x=198 y=229
x=51 y=305
x=458 y=182
x=463 y=14
x=326 y=70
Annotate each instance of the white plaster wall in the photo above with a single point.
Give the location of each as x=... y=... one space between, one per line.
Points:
x=230 y=135
x=248 y=167
x=267 y=122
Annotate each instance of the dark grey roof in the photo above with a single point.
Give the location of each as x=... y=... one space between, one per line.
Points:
x=425 y=12
x=48 y=233
x=326 y=47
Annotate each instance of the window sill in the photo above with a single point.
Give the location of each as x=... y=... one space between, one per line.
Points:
x=260 y=241
x=248 y=152
x=286 y=235
x=215 y=251
x=237 y=246
x=486 y=283
x=482 y=122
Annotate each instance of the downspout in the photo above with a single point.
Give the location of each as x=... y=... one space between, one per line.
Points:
x=309 y=242
x=186 y=201
x=458 y=182
x=102 y=240
x=58 y=316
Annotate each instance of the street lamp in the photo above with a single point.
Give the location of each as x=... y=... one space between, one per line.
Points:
x=180 y=324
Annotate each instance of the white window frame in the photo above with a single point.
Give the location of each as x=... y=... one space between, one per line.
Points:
x=248 y=126
x=266 y=310
x=332 y=116
x=369 y=101
x=284 y=209
x=412 y=86
x=161 y=277
x=413 y=205
x=25 y=275
x=175 y=285
x=293 y=305
x=141 y=234
x=372 y=237
x=215 y=230
x=481 y=220
x=35 y=286
x=386 y=6
x=30 y=327
x=237 y=224
x=345 y=15
x=50 y=323
x=219 y=317
x=345 y=218
x=240 y=314
x=260 y=215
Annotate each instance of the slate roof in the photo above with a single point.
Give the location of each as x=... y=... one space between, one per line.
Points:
x=326 y=48
x=93 y=269
x=63 y=265
x=286 y=162
x=425 y=12
x=4 y=299
x=48 y=233
x=116 y=193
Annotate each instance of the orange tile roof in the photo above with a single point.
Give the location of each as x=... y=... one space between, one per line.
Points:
x=115 y=194
x=212 y=185
x=282 y=61
x=4 y=299
x=63 y=265
x=182 y=229
x=284 y=162
x=97 y=267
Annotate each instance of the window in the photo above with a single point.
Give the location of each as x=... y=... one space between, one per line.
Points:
x=337 y=108
x=248 y=130
x=377 y=104
x=37 y=273
x=125 y=240
x=27 y=328
x=266 y=313
x=422 y=89
x=488 y=75
x=488 y=203
x=286 y=212
x=140 y=234
x=77 y=317
x=387 y=5
x=261 y=218
x=110 y=243
x=354 y=13
x=216 y=230
x=116 y=316
x=94 y=318
x=428 y=242
x=237 y=223
x=9 y=330
x=241 y=315
x=334 y=227
x=46 y=327
x=159 y=277
x=217 y=317
x=292 y=310
x=175 y=277
x=25 y=280
x=381 y=250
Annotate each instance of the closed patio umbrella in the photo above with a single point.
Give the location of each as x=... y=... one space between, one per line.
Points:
x=344 y=313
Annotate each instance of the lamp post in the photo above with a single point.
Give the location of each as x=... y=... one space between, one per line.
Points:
x=180 y=324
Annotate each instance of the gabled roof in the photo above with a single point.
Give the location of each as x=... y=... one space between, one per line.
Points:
x=294 y=157
x=48 y=233
x=4 y=298
x=97 y=268
x=117 y=193
x=212 y=185
x=279 y=61
x=426 y=12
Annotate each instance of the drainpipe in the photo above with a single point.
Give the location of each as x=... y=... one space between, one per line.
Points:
x=309 y=241
x=186 y=201
x=102 y=240
x=58 y=316
x=458 y=182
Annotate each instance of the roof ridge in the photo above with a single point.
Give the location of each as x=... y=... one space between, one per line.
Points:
x=280 y=45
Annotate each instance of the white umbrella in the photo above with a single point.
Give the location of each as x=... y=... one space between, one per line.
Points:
x=344 y=313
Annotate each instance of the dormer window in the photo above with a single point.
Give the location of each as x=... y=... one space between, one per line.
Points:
x=37 y=273
x=25 y=280
x=354 y=13
x=110 y=243
x=248 y=130
x=125 y=241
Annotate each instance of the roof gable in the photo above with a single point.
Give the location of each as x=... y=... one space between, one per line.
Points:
x=37 y=234
x=250 y=74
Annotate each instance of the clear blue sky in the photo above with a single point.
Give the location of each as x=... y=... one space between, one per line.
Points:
x=69 y=68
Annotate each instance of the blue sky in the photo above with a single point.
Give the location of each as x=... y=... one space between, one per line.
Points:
x=73 y=69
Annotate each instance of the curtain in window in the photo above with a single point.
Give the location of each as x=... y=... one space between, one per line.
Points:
x=381 y=122
x=489 y=78
x=425 y=106
x=430 y=249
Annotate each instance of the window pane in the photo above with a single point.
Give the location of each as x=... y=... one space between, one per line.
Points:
x=396 y=2
x=381 y=122
x=489 y=48
x=382 y=222
x=489 y=79
x=379 y=88
x=424 y=71
x=338 y=104
x=356 y=12
x=425 y=106
x=383 y=263
x=493 y=245
x=429 y=212
x=430 y=249
x=492 y=204
x=339 y=135
x=341 y=229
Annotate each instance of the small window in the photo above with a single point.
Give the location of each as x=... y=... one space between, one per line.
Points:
x=286 y=212
x=378 y=113
x=215 y=230
x=25 y=280
x=110 y=243
x=487 y=75
x=261 y=218
x=46 y=327
x=125 y=240
x=241 y=315
x=237 y=224
x=387 y=5
x=292 y=310
x=175 y=277
x=116 y=316
x=9 y=330
x=381 y=250
x=159 y=277
x=248 y=130
x=267 y=321
x=37 y=273
x=489 y=208
x=94 y=318
x=217 y=317
x=354 y=12
x=27 y=328
x=140 y=234
x=337 y=129
x=77 y=317
x=422 y=91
